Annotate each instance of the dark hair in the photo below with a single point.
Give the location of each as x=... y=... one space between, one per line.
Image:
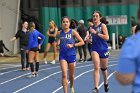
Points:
x=73 y=24
x=137 y=28
x=132 y=17
x=98 y=13
x=103 y=20
x=65 y=17
x=23 y=22
x=90 y=20
x=31 y=24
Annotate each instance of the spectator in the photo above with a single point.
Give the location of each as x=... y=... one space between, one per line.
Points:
x=82 y=32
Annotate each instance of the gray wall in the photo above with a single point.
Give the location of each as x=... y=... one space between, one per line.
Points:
x=9 y=16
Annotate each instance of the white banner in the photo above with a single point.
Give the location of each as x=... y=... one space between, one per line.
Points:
x=117 y=20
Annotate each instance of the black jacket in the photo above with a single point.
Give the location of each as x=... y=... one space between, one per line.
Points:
x=24 y=37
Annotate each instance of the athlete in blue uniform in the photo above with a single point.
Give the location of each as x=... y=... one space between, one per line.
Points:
x=99 y=50
x=67 y=56
x=33 y=47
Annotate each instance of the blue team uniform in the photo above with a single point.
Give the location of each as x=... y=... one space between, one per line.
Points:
x=129 y=60
x=68 y=54
x=98 y=44
x=33 y=39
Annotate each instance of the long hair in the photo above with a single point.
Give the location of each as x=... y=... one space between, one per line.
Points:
x=31 y=26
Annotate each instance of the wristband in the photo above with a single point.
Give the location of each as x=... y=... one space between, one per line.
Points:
x=74 y=45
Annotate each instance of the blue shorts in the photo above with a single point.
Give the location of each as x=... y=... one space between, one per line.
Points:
x=69 y=59
x=102 y=53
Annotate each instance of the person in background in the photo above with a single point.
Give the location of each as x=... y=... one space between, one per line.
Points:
x=133 y=24
x=51 y=33
x=33 y=49
x=23 y=35
x=82 y=32
x=121 y=40
x=88 y=38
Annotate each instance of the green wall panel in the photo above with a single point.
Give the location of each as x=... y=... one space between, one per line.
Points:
x=48 y=13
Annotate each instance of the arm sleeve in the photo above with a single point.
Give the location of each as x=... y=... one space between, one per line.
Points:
x=127 y=58
x=17 y=34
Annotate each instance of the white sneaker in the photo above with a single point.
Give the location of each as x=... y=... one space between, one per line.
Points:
x=72 y=90
x=45 y=61
x=36 y=74
x=53 y=62
x=31 y=76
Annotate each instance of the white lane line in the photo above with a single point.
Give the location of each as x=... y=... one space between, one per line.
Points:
x=10 y=64
x=80 y=76
x=39 y=71
x=44 y=79
x=36 y=82
x=9 y=67
x=110 y=59
x=15 y=70
x=9 y=71
x=74 y=79
x=29 y=73
x=107 y=79
x=18 y=69
x=25 y=75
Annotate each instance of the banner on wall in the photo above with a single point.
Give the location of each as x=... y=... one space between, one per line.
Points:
x=117 y=20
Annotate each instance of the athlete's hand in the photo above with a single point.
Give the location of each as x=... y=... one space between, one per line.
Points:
x=69 y=45
x=39 y=46
x=92 y=30
x=86 y=38
x=89 y=41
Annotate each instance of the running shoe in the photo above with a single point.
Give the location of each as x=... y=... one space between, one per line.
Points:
x=36 y=74
x=53 y=62
x=45 y=61
x=31 y=76
x=95 y=90
x=72 y=90
x=106 y=88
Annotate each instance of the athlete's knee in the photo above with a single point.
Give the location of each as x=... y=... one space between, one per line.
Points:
x=64 y=82
x=96 y=67
x=64 y=76
x=71 y=76
x=104 y=69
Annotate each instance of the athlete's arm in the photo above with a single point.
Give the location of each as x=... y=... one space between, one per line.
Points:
x=125 y=79
x=105 y=35
x=126 y=67
x=48 y=33
x=16 y=36
x=81 y=42
x=52 y=35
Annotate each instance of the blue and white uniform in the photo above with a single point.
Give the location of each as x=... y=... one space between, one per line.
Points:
x=68 y=54
x=99 y=44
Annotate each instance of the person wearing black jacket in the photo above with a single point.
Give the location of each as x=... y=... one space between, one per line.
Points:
x=23 y=34
x=82 y=30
